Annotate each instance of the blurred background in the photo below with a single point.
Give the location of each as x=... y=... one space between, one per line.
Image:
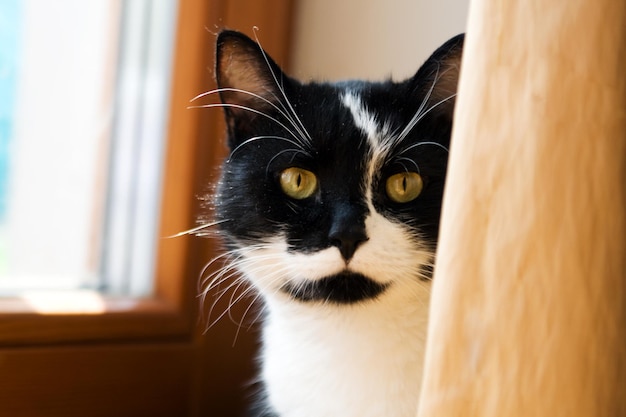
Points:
x=101 y=160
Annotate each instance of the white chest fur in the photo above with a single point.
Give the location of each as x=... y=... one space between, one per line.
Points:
x=361 y=360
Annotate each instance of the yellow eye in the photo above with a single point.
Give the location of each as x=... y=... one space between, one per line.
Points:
x=404 y=187
x=298 y=183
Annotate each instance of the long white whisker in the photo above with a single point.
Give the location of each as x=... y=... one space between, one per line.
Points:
x=234 y=286
x=282 y=111
x=415 y=145
x=282 y=91
x=416 y=120
x=213 y=280
x=216 y=301
x=253 y=302
x=234 y=300
x=237 y=261
x=196 y=229
x=248 y=141
x=279 y=154
x=238 y=90
x=421 y=107
x=408 y=160
x=250 y=109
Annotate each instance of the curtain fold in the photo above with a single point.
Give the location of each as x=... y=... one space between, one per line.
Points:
x=528 y=312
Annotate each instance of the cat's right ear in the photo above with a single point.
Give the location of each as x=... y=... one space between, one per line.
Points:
x=439 y=75
x=246 y=76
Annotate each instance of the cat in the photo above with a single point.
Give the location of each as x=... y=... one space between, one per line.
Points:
x=329 y=204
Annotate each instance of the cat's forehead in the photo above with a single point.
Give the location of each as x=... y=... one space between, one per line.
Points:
x=372 y=125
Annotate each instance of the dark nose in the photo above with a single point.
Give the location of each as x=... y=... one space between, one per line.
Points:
x=347 y=234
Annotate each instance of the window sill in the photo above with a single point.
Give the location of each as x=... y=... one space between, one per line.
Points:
x=85 y=316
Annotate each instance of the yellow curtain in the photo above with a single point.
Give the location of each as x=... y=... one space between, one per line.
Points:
x=528 y=311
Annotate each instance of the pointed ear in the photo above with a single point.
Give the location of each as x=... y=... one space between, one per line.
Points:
x=441 y=73
x=246 y=75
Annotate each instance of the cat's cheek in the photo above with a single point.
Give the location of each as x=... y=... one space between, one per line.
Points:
x=271 y=265
x=261 y=263
x=391 y=253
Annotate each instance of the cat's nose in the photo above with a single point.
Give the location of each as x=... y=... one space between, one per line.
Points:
x=347 y=239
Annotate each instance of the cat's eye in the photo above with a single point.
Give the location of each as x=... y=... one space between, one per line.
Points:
x=404 y=187
x=298 y=183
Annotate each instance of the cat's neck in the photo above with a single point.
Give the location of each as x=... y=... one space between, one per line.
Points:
x=333 y=351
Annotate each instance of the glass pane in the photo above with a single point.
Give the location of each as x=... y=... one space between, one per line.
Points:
x=69 y=119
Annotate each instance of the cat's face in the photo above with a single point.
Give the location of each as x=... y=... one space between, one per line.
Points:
x=332 y=192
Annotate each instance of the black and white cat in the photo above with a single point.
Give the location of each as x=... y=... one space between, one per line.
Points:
x=329 y=204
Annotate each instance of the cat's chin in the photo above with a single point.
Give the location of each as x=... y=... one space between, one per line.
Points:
x=343 y=288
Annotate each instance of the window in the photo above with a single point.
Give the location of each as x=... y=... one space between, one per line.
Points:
x=82 y=138
x=120 y=348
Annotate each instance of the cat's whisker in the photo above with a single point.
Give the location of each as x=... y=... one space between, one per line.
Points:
x=293 y=207
x=211 y=92
x=281 y=110
x=420 y=113
x=214 y=279
x=256 y=138
x=216 y=301
x=227 y=272
x=246 y=293
x=417 y=168
x=194 y=230
x=228 y=275
x=261 y=309
x=280 y=88
x=230 y=255
x=238 y=260
x=415 y=145
x=237 y=90
x=416 y=120
x=250 y=109
x=234 y=298
x=421 y=107
x=254 y=302
x=220 y=277
x=294 y=120
x=233 y=288
x=225 y=275
x=296 y=151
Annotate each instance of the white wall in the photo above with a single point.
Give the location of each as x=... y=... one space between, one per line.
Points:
x=374 y=39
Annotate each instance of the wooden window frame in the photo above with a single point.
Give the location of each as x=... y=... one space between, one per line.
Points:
x=148 y=356
x=167 y=313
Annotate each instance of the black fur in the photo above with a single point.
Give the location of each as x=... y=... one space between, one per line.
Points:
x=344 y=288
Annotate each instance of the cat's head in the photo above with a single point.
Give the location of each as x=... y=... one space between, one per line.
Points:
x=332 y=191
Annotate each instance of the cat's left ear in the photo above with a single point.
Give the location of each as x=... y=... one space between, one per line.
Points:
x=246 y=76
x=440 y=74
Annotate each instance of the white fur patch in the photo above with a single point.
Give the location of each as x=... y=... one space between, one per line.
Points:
x=363 y=119
x=378 y=135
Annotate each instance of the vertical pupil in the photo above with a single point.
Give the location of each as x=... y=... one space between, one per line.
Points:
x=404 y=183
x=299 y=180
